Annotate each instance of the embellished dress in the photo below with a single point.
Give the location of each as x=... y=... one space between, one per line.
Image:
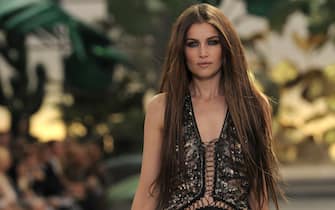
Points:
x=215 y=177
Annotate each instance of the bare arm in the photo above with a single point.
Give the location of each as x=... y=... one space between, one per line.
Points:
x=144 y=198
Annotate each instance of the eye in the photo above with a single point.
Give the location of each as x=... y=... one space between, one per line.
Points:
x=213 y=42
x=192 y=44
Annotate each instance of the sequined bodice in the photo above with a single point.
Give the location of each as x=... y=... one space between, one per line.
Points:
x=215 y=174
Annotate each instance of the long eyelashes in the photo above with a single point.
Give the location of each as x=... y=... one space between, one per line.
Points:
x=193 y=44
x=213 y=42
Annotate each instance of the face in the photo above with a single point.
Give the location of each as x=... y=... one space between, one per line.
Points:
x=203 y=51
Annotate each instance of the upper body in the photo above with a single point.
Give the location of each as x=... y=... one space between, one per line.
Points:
x=211 y=118
x=202 y=128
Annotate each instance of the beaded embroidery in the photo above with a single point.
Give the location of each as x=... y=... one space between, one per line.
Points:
x=215 y=172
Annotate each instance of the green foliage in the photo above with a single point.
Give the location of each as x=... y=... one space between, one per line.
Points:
x=147 y=16
x=91 y=78
x=9 y=7
x=260 y=7
x=88 y=69
x=137 y=20
x=319 y=13
x=212 y=2
x=22 y=102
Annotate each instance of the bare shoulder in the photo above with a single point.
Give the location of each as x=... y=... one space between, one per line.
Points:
x=157 y=103
x=155 y=109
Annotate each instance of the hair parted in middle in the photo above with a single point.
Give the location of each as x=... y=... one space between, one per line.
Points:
x=249 y=108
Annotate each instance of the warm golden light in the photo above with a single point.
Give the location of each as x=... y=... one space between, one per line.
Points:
x=332 y=152
x=283 y=72
x=108 y=142
x=77 y=129
x=46 y=124
x=330 y=72
x=102 y=129
x=5 y=119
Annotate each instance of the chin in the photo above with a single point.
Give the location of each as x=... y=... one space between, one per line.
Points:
x=205 y=75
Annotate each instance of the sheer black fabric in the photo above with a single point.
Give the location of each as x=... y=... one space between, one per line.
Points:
x=215 y=177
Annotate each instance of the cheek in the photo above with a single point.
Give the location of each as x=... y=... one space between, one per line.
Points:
x=218 y=56
x=218 y=53
x=189 y=56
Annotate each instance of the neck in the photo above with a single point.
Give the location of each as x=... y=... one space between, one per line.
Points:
x=206 y=89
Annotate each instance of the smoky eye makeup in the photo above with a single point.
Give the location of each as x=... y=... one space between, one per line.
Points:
x=192 y=43
x=211 y=41
x=214 y=41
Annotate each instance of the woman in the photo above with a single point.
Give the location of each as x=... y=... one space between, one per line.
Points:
x=207 y=135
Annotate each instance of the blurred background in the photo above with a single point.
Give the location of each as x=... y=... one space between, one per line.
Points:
x=75 y=76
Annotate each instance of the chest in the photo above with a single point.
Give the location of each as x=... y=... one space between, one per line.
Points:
x=209 y=118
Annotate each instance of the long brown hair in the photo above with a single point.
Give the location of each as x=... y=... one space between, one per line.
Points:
x=249 y=108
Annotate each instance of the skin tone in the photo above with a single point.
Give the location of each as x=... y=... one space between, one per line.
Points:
x=153 y=129
x=203 y=54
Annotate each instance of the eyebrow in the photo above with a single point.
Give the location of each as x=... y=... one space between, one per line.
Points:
x=211 y=37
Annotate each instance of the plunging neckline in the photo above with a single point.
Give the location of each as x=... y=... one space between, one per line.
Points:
x=215 y=140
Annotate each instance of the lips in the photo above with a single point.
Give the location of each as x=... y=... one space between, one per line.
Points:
x=204 y=64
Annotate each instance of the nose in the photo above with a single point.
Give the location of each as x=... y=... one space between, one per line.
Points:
x=203 y=51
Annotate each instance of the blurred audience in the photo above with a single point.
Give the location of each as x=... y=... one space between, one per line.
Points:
x=8 y=196
x=56 y=175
